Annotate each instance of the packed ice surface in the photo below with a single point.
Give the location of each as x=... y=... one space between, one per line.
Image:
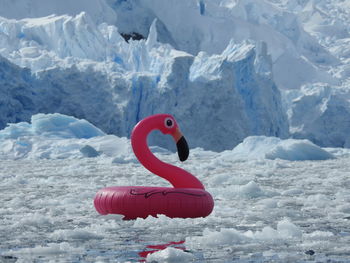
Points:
x=234 y=73
x=266 y=209
x=223 y=63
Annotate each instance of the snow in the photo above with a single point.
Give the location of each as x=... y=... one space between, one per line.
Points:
x=269 y=209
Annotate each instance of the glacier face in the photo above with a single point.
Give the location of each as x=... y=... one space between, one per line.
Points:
x=322 y=113
x=209 y=26
x=17 y=98
x=94 y=74
x=220 y=99
x=195 y=62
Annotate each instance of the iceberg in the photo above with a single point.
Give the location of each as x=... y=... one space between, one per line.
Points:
x=257 y=147
x=58 y=136
x=51 y=125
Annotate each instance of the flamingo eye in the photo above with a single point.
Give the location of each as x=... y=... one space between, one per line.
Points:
x=169 y=123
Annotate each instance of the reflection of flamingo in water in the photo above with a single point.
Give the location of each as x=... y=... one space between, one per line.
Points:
x=187 y=198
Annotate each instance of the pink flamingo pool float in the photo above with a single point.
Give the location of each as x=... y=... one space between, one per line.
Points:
x=186 y=199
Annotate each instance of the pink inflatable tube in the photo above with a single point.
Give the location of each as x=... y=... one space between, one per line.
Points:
x=186 y=199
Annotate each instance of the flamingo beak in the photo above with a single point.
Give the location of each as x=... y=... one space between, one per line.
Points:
x=181 y=145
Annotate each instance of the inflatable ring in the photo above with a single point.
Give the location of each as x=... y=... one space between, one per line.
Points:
x=186 y=199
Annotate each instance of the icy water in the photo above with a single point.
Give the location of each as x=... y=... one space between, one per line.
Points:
x=265 y=211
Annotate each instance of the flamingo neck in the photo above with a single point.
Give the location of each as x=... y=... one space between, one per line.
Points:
x=178 y=177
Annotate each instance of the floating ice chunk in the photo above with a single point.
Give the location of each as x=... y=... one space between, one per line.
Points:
x=49 y=249
x=285 y=230
x=34 y=219
x=16 y=130
x=249 y=190
x=298 y=150
x=318 y=200
x=123 y=159
x=75 y=234
x=268 y=203
x=344 y=208
x=170 y=255
x=162 y=221
x=112 y=145
x=225 y=236
x=57 y=136
x=267 y=233
x=63 y=126
x=52 y=125
x=293 y=192
x=255 y=147
x=319 y=235
x=89 y=151
x=17 y=149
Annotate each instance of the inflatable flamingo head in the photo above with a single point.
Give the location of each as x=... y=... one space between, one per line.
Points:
x=168 y=125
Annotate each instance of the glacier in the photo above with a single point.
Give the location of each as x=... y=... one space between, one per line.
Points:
x=219 y=98
x=321 y=113
x=225 y=69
